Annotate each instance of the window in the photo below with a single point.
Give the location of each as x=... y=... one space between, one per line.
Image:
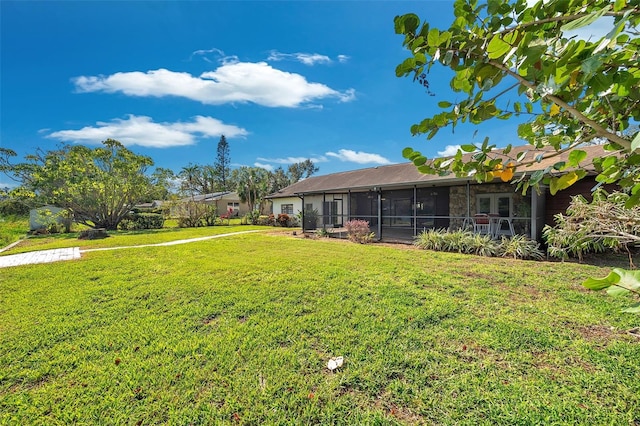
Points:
x=233 y=206
x=501 y=204
x=286 y=209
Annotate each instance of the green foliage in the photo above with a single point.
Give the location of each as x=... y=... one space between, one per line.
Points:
x=12 y=228
x=99 y=186
x=221 y=165
x=253 y=217
x=520 y=247
x=137 y=221
x=619 y=282
x=252 y=185
x=191 y=213
x=461 y=241
x=322 y=233
x=11 y=207
x=515 y=60
x=358 y=231
x=593 y=227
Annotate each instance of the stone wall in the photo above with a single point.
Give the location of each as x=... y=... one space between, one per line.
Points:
x=458 y=200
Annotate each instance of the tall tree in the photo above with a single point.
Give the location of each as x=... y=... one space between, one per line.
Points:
x=301 y=170
x=252 y=185
x=221 y=165
x=511 y=59
x=99 y=186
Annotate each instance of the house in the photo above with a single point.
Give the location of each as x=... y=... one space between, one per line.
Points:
x=399 y=202
x=223 y=202
x=46 y=216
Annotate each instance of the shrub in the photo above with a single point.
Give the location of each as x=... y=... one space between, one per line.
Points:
x=431 y=239
x=481 y=245
x=252 y=217
x=322 y=233
x=358 y=231
x=11 y=207
x=137 y=221
x=520 y=247
x=193 y=214
x=604 y=223
x=283 y=220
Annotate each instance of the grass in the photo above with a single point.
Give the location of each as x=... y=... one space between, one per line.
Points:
x=12 y=228
x=239 y=330
x=125 y=238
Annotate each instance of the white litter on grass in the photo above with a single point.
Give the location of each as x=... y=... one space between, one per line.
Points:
x=335 y=363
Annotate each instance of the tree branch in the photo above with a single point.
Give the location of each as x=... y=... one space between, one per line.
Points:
x=600 y=131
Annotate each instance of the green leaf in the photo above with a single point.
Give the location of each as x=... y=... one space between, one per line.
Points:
x=419 y=161
x=444 y=104
x=576 y=156
x=468 y=148
x=433 y=38
x=635 y=143
x=406 y=153
x=585 y=20
x=634 y=309
x=602 y=283
x=497 y=47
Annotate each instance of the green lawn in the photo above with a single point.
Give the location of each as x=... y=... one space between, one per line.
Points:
x=12 y=229
x=127 y=238
x=238 y=330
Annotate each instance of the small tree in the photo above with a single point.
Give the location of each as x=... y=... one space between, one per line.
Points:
x=99 y=186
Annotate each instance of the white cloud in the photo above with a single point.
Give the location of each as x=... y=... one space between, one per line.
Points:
x=142 y=131
x=449 y=150
x=343 y=58
x=291 y=160
x=231 y=82
x=358 y=157
x=305 y=58
x=264 y=166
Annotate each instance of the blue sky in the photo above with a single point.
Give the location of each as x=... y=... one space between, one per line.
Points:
x=283 y=81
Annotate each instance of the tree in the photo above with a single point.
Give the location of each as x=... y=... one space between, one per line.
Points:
x=295 y=172
x=301 y=170
x=221 y=165
x=198 y=179
x=252 y=185
x=513 y=60
x=99 y=186
x=162 y=184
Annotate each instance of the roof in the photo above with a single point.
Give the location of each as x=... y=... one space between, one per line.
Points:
x=214 y=196
x=406 y=174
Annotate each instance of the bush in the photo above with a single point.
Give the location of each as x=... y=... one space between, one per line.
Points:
x=252 y=217
x=13 y=208
x=358 y=231
x=192 y=214
x=264 y=220
x=283 y=220
x=518 y=246
x=138 y=221
x=593 y=227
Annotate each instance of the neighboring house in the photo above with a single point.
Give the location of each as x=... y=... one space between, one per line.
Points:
x=43 y=217
x=223 y=202
x=399 y=202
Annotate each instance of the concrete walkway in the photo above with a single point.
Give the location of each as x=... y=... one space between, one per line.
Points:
x=42 y=256
x=55 y=255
